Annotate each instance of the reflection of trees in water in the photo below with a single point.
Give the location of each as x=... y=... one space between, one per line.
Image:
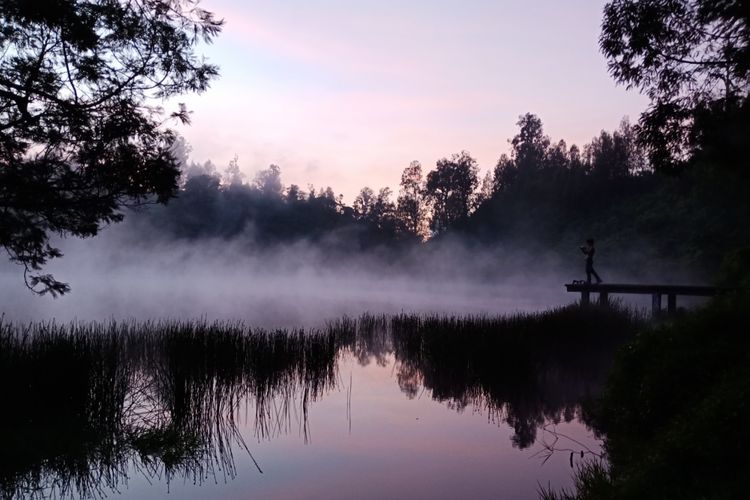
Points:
x=92 y=403
x=524 y=370
x=87 y=405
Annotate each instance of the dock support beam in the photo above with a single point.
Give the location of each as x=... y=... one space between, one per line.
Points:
x=656 y=304
x=657 y=292
x=672 y=303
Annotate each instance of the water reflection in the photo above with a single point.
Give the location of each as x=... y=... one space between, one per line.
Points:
x=522 y=375
x=85 y=406
x=88 y=405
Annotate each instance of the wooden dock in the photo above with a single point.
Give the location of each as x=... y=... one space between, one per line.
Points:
x=656 y=292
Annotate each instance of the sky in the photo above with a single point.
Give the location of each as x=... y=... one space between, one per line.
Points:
x=347 y=94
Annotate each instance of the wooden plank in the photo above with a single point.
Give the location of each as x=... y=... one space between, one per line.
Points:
x=703 y=291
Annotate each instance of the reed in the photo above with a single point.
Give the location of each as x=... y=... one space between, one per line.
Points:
x=88 y=400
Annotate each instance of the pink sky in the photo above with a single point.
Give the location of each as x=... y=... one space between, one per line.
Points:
x=347 y=94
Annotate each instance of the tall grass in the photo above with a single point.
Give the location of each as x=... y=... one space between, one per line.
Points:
x=85 y=401
x=591 y=481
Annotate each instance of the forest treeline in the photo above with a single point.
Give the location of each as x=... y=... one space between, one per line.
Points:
x=544 y=195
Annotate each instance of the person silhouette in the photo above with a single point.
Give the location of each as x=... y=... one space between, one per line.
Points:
x=589 y=251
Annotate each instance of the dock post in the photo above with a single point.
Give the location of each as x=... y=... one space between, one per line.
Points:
x=585 y=298
x=672 y=303
x=603 y=299
x=656 y=304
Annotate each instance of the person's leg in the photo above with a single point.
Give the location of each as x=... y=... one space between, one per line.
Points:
x=596 y=275
x=588 y=274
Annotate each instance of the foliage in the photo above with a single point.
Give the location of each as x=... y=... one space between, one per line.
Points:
x=615 y=155
x=683 y=221
x=268 y=181
x=676 y=407
x=641 y=219
x=591 y=481
x=265 y=214
x=450 y=190
x=735 y=270
x=80 y=135
x=364 y=203
x=376 y=211
x=411 y=208
x=529 y=145
x=687 y=56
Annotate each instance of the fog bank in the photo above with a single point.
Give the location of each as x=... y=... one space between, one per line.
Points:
x=126 y=274
x=113 y=277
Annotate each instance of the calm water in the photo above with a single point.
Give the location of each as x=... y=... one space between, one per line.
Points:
x=364 y=410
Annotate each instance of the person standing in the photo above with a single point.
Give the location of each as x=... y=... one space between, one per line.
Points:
x=589 y=251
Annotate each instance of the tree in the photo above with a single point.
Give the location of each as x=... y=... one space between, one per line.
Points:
x=529 y=150
x=233 y=176
x=326 y=200
x=269 y=183
x=80 y=133
x=194 y=169
x=364 y=203
x=411 y=209
x=450 y=189
x=575 y=162
x=506 y=174
x=384 y=211
x=197 y=211
x=686 y=55
x=615 y=155
x=181 y=150
x=558 y=158
x=294 y=194
x=487 y=188
x=529 y=145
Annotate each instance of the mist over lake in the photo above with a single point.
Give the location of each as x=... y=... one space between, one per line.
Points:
x=296 y=285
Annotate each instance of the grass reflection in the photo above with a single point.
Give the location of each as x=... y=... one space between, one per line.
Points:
x=86 y=402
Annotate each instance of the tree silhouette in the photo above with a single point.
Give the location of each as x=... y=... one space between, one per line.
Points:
x=505 y=173
x=450 y=189
x=411 y=209
x=384 y=212
x=530 y=150
x=79 y=135
x=364 y=203
x=268 y=181
x=529 y=145
x=615 y=155
x=685 y=55
x=233 y=176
